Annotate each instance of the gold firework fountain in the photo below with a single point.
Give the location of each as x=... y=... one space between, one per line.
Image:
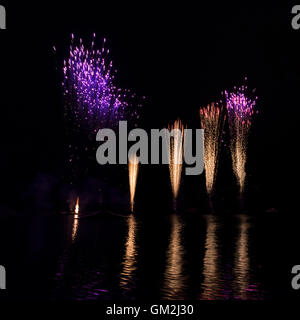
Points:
x=133 y=168
x=175 y=149
x=76 y=211
x=240 y=111
x=212 y=122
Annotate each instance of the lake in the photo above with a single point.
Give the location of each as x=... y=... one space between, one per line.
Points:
x=138 y=257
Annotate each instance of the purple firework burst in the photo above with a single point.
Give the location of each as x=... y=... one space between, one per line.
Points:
x=239 y=106
x=92 y=98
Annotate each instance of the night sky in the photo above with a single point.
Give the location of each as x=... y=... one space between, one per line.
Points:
x=179 y=57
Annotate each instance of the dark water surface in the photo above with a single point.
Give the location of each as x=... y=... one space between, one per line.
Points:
x=113 y=257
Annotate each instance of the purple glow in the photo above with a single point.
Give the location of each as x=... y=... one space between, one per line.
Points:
x=240 y=106
x=93 y=100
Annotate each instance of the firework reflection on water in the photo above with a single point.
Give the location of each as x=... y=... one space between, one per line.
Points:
x=127 y=275
x=75 y=221
x=212 y=287
x=175 y=280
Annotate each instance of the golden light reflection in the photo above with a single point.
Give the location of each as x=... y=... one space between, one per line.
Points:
x=242 y=267
x=75 y=228
x=174 y=279
x=129 y=260
x=75 y=221
x=212 y=288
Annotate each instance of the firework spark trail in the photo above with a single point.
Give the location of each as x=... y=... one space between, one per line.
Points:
x=240 y=111
x=133 y=166
x=175 y=149
x=212 y=122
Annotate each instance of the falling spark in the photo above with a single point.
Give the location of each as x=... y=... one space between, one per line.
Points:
x=76 y=208
x=133 y=166
x=240 y=112
x=212 y=123
x=175 y=149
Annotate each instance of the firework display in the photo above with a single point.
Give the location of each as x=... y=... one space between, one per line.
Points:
x=93 y=101
x=240 y=111
x=142 y=152
x=212 y=120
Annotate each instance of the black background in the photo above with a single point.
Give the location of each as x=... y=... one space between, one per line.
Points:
x=180 y=57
